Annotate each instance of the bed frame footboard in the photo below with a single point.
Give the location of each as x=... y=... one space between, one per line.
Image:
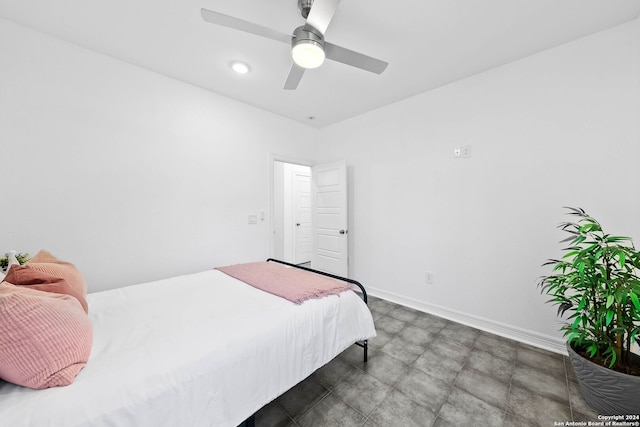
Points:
x=364 y=344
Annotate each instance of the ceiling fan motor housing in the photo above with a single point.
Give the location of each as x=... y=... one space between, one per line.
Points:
x=300 y=34
x=304 y=6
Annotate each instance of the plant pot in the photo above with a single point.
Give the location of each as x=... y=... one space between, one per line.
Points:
x=607 y=391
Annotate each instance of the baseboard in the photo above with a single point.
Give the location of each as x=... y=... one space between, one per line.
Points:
x=535 y=339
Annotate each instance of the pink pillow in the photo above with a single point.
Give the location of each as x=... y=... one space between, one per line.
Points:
x=47 y=263
x=45 y=338
x=21 y=275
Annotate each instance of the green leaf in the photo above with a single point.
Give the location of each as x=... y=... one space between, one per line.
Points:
x=581 y=268
x=570 y=254
x=621 y=258
x=635 y=300
x=576 y=322
x=586 y=227
x=616 y=239
x=610 y=300
x=572 y=336
x=609 y=317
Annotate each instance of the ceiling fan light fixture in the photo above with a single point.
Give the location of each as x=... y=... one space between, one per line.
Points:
x=308 y=54
x=307 y=48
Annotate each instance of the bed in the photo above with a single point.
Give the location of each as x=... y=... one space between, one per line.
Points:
x=203 y=349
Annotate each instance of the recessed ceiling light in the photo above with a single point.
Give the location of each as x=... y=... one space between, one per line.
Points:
x=240 y=67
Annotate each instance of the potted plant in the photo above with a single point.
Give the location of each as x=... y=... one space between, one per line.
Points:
x=597 y=285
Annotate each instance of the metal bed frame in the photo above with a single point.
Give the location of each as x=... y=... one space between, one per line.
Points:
x=251 y=421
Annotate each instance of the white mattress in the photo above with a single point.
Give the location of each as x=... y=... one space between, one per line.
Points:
x=195 y=350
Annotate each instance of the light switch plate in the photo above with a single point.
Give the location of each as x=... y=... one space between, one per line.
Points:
x=466 y=152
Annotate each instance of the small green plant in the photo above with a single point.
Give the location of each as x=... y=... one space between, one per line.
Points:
x=597 y=282
x=4 y=261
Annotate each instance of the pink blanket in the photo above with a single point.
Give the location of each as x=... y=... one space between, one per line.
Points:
x=287 y=282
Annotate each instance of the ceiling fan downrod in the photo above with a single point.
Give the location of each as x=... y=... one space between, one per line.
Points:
x=304 y=6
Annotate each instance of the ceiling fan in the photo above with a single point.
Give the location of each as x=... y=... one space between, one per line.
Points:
x=308 y=47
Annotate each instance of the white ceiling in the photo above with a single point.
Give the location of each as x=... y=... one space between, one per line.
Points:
x=428 y=43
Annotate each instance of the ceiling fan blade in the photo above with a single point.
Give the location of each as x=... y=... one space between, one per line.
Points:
x=242 y=25
x=321 y=14
x=355 y=59
x=295 y=75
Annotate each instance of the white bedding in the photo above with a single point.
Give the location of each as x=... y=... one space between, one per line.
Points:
x=195 y=350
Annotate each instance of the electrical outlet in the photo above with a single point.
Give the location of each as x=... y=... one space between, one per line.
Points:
x=428 y=278
x=457 y=153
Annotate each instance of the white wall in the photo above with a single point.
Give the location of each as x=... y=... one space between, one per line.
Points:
x=556 y=129
x=129 y=174
x=134 y=176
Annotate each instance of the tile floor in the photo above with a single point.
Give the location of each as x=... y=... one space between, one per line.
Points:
x=427 y=371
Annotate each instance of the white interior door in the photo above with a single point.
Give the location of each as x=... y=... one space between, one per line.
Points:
x=302 y=216
x=329 y=207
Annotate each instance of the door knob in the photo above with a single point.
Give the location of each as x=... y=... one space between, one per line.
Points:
x=297 y=224
x=342 y=231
